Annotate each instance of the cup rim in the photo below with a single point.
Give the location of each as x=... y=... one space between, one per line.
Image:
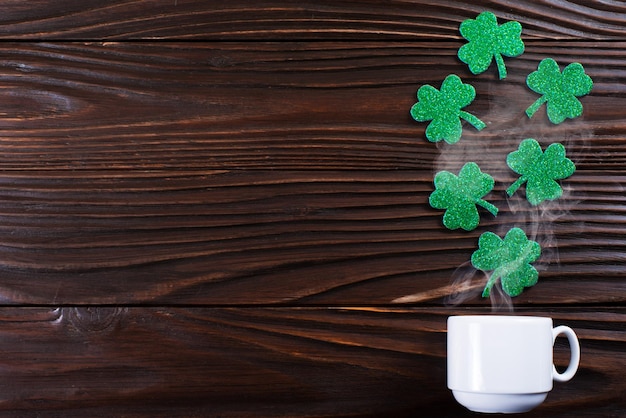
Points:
x=500 y=318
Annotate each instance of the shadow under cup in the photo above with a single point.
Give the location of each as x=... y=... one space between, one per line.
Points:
x=504 y=364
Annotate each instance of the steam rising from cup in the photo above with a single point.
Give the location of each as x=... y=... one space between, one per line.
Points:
x=489 y=150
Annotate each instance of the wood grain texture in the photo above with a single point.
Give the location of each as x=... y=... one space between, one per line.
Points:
x=274 y=237
x=285 y=173
x=286 y=20
x=220 y=209
x=197 y=362
x=303 y=105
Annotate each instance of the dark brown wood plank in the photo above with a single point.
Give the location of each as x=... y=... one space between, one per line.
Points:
x=274 y=237
x=146 y=173
x=171 y=362
x=156 y=106
x=281 y=19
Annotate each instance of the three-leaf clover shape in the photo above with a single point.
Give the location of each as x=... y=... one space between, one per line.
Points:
x=509 y=259
x=539 y=170
x=488 y=40
x=460 y=194
x=558 y=89
x=443 y=108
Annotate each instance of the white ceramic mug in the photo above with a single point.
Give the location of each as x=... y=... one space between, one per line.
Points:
x=504 y=363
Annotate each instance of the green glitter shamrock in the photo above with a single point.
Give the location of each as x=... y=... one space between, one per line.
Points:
x=539 y=170
x=509 y=259
x=460 y=195
x=444 y=109
x=559 y=90
x=488 y=40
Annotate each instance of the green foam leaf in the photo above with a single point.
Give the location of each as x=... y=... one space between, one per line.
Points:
x=443 y=109
x=488 y=41
x=460 y=195
x=509 y=259
x=559 y=90
x=539 y=170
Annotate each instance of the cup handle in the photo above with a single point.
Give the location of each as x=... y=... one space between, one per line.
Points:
x=574 y=356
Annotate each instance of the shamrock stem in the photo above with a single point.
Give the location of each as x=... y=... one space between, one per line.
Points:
x=491 y=208
x=492 y=280
x=513 y=188
x=535 y=106
x=501 y=66
x=473 y=120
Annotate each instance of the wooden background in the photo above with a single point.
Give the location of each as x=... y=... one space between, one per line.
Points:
x=219 y=208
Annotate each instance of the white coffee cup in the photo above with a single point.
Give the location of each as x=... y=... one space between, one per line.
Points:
x=504 y=363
